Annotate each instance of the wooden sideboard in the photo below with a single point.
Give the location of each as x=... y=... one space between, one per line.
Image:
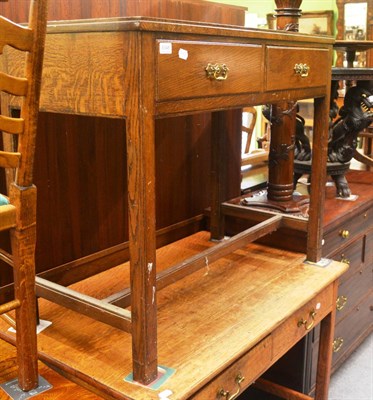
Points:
x=348 y=235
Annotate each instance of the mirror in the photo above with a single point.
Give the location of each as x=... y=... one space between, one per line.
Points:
x=354 y=23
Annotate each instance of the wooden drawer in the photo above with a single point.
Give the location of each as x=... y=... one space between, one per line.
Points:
x=182 y=69
x=347 y=231
x=353 y=254
x=281 y=62
x=347 y=336
x=352 y=329
x=289 y=332
x=352 y=291
x=249 y=367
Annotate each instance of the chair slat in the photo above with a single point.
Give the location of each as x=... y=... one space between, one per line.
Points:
x=7 y=217
x=11 y=125
x=13 y=85
x=9 y=320
x=11 y=305
x=14 y=35
x=9 y=159
x=6 y=257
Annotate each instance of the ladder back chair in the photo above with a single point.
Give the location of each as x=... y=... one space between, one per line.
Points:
x=18 y=207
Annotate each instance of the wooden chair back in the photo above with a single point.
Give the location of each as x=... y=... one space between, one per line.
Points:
x=18 y=209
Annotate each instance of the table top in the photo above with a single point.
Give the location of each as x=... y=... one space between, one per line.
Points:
x=353 y=45
x=352 y=74
x=176 y=26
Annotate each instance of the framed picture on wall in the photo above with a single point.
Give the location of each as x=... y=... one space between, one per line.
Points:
x=312 y=22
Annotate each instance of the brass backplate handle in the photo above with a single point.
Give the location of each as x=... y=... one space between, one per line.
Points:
x=218 y=72
x=337 y=344
x=304 y=322
x=224 y=394
x=341 y=302
x=302 y=69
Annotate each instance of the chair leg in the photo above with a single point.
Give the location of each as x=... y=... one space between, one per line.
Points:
x=23 y=244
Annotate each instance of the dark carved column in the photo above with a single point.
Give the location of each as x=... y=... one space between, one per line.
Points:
x=281 y=153
x=288 y=14
x=283 y=117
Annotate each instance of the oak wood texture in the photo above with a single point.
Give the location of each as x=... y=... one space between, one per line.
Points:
x=206 y=322
x=282 y=60
x=129 y=89
x=75 y=200
x=279 y=390
x=20 y=215
x=177 y=79
x=87 y=305
x=193 y=264
x=62 y=388
x=191 y=10
x=353 y=321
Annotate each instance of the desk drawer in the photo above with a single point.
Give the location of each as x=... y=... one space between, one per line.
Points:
x=182 y=69
x=246 y=369
x=291 y=331
x=281 y=63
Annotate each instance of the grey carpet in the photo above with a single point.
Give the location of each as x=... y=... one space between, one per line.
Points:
x=354 y=379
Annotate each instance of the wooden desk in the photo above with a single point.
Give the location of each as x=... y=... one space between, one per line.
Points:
x=141 y=69
x=238 y=314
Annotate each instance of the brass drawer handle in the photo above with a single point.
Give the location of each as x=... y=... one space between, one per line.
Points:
x=219 y=72
x=344 y=259
x=224 y=394
x=308 y=325
x=337 y=344
x=302 y=69
x=341 y=302
x=344 y=233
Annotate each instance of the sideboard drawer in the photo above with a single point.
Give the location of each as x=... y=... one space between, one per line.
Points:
x=347 y=231
x=296 y=67
x=353 y=255
x=239 y=375
x=350 y=330
x=351 y=291
x=302 y=321
x=182 y=70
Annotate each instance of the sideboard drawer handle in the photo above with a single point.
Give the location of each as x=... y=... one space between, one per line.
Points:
x=308 y=325
x=341 y=302
x=302 y=69
x=344 y=233
x=218 y=72
x=337 y=344
x=344 y=259
x=224 y=394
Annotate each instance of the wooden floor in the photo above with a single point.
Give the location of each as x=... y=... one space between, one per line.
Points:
x=62 y=388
